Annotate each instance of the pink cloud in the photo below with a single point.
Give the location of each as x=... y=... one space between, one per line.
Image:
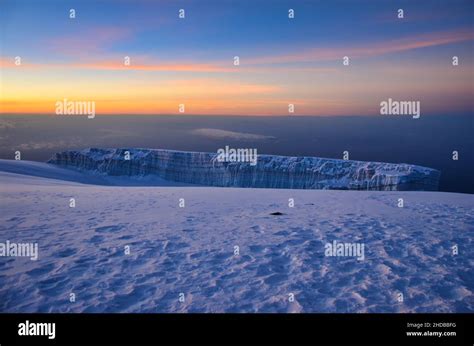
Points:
x=95 y=41
x=381 y=48
x=144 y=66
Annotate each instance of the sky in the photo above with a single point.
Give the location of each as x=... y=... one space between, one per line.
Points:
x=190 y=61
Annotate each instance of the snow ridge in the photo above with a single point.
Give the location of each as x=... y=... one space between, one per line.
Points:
x=271 y=171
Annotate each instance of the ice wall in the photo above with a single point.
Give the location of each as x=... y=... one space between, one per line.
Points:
x=270 y=171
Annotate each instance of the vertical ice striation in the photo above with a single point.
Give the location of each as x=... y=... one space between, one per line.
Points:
x=271 y=171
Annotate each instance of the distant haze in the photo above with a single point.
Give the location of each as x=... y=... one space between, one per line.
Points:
x=428 y=141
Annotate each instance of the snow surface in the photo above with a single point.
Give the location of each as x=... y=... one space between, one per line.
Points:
x=191 y=250
x=50 y=171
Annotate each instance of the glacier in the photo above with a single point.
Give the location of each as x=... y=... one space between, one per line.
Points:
x=271 y=171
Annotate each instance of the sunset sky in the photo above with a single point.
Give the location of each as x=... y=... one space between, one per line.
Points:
x=190 y=61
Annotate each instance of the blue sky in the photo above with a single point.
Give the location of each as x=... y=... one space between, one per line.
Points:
x=281 y=59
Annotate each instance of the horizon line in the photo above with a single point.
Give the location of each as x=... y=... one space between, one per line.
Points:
x=231 y=115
